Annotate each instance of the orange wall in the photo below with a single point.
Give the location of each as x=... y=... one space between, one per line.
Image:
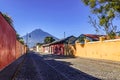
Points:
x=109 y=50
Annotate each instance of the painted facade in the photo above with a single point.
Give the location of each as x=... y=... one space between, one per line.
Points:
x=59 y=47
x=8 y=43
x=102 y=49
x=90 y=37
x=20 y=49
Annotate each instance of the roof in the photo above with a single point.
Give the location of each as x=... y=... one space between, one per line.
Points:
x=69 y=40
x=93 y=36
x=44 y=45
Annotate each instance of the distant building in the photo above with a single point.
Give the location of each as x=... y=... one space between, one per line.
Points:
x=90 y=37
x=118 y=35
x=59 y=47
x=46 y=48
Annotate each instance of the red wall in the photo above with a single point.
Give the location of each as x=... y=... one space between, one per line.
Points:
x=10 y=48
x=58 y=49
x=20 y=49
x=7 y=43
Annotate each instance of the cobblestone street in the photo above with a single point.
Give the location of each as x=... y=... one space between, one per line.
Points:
x=37 y=67
x=33 y=66
x=102 y=69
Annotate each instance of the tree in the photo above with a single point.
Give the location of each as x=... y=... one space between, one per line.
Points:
x=82 y=39
x=106 y=11
x=39 y=44
x=8 y=18
x=20 y=39
x=48 y=40
x=17 y=36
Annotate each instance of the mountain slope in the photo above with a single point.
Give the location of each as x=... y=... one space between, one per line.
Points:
x=36 y=36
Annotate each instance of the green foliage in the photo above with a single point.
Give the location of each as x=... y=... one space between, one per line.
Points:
x=92 y=3
x=8 y=18
x=103 y=20
x=48 y=40
x=82 y=39
x=20 y=39
x=17 y=36
x=106 y=11
x=112 y=35
x=39 y=44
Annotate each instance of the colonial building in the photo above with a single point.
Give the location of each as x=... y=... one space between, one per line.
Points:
x=59 y=47
x=90 y=37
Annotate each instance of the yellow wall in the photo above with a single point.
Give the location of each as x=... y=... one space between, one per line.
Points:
x=109 y=50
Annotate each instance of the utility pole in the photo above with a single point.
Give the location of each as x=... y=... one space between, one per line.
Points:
x=64 y=35
x=27 y=39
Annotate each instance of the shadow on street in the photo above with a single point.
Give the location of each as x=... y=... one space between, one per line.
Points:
x=42 y=67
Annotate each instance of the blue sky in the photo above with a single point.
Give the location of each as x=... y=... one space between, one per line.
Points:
x=52 y=16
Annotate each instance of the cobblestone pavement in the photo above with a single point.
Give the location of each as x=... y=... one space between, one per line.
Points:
x=8 y=72
x=36 y=67
x=102 y=69
x=69 y=72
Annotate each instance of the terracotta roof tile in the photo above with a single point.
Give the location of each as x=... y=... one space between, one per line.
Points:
x=93 y=36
